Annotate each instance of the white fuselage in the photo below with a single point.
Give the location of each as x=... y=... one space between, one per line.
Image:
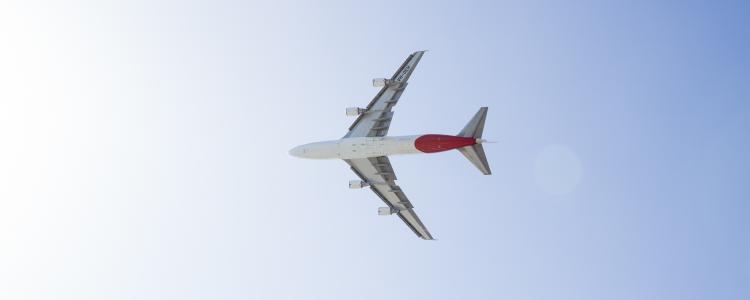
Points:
x=359 y=147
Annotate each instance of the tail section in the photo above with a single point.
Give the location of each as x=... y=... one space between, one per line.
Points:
x=475 y=153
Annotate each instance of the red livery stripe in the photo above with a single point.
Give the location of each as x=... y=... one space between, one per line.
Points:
x=431 y=143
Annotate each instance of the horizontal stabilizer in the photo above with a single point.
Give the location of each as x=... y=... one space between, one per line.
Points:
x=475 y=127
x=475 y=153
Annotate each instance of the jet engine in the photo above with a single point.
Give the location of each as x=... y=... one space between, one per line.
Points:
x=380 y=82
x=386 y=211
x=357 y=184
x=354 y=111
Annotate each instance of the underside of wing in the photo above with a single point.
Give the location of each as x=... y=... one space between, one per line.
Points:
x=378 y=173
x=375 y=120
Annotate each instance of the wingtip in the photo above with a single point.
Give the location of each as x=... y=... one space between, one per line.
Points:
x=427 y=237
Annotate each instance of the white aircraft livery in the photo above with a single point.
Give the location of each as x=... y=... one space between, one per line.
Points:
x=366 y=147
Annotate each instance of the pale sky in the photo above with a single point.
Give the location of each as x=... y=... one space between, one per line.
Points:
x=143 y=150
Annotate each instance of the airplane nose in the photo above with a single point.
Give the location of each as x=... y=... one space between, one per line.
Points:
x=296 y=151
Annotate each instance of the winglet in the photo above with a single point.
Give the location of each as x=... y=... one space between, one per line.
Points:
x=475 y=153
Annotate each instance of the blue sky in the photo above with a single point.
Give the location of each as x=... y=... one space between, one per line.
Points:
x=144 y=150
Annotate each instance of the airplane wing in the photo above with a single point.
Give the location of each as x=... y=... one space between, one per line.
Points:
x=377 y=171
x=376 y=119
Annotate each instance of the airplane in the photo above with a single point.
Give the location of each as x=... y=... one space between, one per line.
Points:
x=366 y=146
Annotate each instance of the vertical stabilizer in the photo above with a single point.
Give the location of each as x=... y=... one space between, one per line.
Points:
x=475 y=153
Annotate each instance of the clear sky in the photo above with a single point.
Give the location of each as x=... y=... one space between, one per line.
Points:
x=143 y=150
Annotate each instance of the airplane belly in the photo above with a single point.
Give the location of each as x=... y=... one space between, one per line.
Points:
x=319 y=150
x=364 y=147
x=400 y=145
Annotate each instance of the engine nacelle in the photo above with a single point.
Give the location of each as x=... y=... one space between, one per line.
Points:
x=386 y=211
x=354 y=111
x=380 y=82
x=357 y=184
